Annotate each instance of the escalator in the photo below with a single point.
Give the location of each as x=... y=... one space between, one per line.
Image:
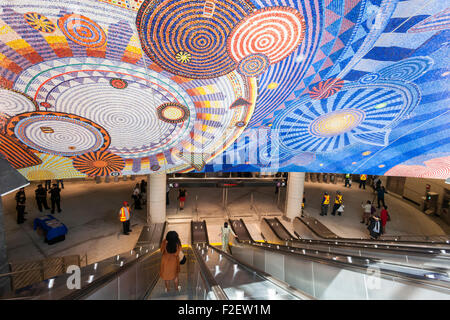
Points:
x=433 y=257
x=328 y=275
x=239 y=280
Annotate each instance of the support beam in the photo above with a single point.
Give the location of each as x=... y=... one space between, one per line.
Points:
x=156 y=198
x=294 y=197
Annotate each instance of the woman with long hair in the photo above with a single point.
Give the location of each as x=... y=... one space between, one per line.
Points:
x=170 y=261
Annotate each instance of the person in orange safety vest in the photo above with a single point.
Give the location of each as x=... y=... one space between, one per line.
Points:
x=362 y=181
x=338 y=201
x=325 y=204
x=124 y=217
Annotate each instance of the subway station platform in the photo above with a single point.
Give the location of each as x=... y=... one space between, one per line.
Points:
x=90 y=212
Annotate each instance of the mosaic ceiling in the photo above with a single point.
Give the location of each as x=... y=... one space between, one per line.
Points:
x=120 y=87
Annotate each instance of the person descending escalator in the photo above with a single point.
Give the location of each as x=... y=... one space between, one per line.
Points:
x=182 y=197
x=172 y=256
x=225 y=235
x=325 y=204
x=338 y=202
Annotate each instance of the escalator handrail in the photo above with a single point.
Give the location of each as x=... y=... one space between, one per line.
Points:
x=361 y=242
x=266 y=276
x=285 y=230
x=348 y=266
x=337 y=238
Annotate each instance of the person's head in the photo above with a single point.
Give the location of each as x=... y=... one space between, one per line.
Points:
x=125 y=204
x=22 y=190
x=368 y=202
x=225 y=224
x=39 y=186
x=137 y=185
x=172 y=241
x=326 y=193
x=338 y=192
x=385 y=207
x=54 y=185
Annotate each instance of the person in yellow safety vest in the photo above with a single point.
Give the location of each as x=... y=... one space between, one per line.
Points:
x=362 y=181
x=124 y=217
x=325 y=204
x=338 y=201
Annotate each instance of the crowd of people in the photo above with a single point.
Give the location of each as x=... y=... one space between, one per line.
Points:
x=41 y=199
x=374 y=220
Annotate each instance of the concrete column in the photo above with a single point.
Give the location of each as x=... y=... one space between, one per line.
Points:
x=156 y=198
x=5 y=284
x=294 y=194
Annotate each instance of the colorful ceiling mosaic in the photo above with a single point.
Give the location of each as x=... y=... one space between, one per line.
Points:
x=120 y=87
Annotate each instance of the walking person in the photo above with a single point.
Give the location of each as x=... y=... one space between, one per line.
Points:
x=225 y=235
x=380 y=195
x=367 y=212
x=348 y=181
x=124 y=217
x=374 y=226
x=137 y=197
x=362 y=181
x=41 y=198
x=20 y=205
x=325 y=204
x=170 y=261
x=384 y=216
x=182 y=197
x=55 y=197
x=338 y=201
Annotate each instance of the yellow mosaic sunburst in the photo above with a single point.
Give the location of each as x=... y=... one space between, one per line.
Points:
x=183 y=57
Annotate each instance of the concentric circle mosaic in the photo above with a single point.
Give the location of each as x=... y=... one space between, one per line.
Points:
x=253 y=65
x=168 y=28
x=172 y=112
x=13 y=102
x=82 y=30
x=275 y=32
x=58 y=133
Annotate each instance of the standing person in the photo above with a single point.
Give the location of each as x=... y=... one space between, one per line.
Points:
x=303 y=203
x=182 y=197
x=20 y=205
x=55 y=197
x=347 y=180
x=137 y=197
x=167 y=194
x=48 y=184
x=41 y=197
x=338 y=201
x=384 y=216
x=380 y=195
x=225 y=235
x=170 y=260
x=60 y=181
x=124 y=217
x=362 y=181
x=143 y=187
x=325 y=204
x=367 y=212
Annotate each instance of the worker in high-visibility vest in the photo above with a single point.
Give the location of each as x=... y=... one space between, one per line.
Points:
x=124 y=217
x=325 y=204
x=338 y=201
x=362 y=181
x=347 y=180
